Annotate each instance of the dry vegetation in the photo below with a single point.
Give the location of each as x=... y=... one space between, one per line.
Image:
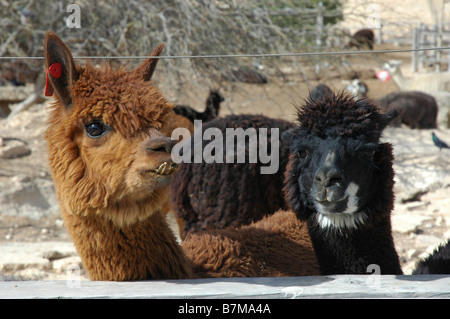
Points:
x=195 y=27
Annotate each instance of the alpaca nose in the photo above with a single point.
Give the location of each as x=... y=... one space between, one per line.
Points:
x=328 y=176
x=159 y=144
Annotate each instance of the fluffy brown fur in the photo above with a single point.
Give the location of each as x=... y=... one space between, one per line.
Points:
x=108 y=203
x=277 y=245
x=106 y=151
x=68 y=143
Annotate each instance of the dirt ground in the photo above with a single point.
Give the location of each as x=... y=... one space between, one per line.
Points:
x=41 y=222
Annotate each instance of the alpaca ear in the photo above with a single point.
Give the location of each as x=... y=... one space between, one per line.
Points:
x=289 y=136
x=387 y=118
x=147 y=68
x=59 y=67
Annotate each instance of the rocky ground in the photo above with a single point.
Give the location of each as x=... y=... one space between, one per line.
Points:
x=35 y=245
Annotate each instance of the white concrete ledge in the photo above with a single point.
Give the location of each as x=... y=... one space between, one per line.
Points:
x=342 y=286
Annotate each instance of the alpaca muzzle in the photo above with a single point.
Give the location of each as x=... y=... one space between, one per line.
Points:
x=166 y=168
x=329 y=185
x=334 y=199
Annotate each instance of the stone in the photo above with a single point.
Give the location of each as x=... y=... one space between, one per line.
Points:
x=21 y=179
x=56 y=254
x=17 y=256
x=14 y=149
x=70 y=264
x=406 y=221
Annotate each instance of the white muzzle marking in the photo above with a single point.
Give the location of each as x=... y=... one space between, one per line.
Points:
x=349 y=218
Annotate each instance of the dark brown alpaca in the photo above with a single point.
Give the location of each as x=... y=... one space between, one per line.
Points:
x=362 y=39
x=219 y=195
x=418 y=110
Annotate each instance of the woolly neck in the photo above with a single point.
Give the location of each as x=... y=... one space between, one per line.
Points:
x=144 y=250
x=353 y=250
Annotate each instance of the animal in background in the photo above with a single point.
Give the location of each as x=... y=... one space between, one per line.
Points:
x=438 y=142
x=362 y=39
x=417 y=110
x=211 y=111
x=429 y=82
x=437 y=263
x=320 y=91
x=358 y=89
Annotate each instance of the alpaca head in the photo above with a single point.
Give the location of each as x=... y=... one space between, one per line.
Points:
x=357 y=88
x=337 y=163
x=106 y=151
x=215 y=97
x=320 y=91
x=393 y=67
x=213 y=104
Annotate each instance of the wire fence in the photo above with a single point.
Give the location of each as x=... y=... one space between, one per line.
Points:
x=209 y=40
x=222 y=56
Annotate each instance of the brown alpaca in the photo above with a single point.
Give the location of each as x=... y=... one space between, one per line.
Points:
x=108 y=200
x=276 y=246
x=111 y=166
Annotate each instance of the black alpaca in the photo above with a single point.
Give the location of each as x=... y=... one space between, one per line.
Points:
x=320 y=91
x=215 y=195
x=339 y=179
x=437 y=263
x=212 y=108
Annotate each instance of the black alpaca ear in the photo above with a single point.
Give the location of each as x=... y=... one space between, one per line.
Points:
x=59 y=67
x=147 y=68
x=290 y=136
x=388 y=117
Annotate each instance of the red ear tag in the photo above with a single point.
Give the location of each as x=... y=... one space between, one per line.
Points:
x=55 y=70
x=48 y=86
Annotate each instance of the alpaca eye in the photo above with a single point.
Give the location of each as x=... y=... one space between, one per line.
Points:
x=303 y=154
x=367 y=154
x=96 y=129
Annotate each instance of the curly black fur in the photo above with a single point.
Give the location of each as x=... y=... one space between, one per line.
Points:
x=341 y=115
x=436 y=263
x=221 y=195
